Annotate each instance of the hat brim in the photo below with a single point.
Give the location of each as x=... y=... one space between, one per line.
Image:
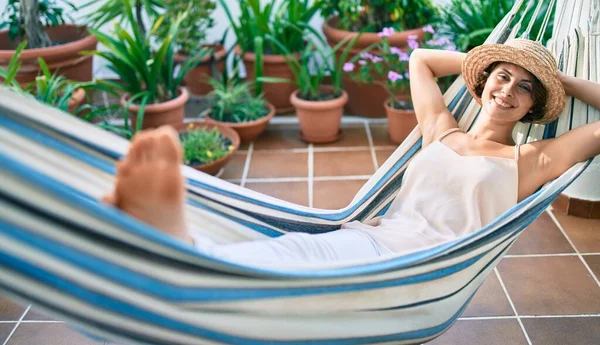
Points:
x=480 y=58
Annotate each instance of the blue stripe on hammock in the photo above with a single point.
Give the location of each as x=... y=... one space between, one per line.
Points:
x=111 y=304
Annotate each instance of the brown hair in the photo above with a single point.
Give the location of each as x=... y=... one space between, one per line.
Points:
x=539 y=94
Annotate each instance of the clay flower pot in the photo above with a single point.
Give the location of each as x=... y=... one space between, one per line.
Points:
x=195 y=80
x=65 y=57
x=400 y=122
x=319 y=120
x=365 y=99
x=277 y=94
x=248 y=131
x=155 y=115
x=213 y=167
x=77 y=99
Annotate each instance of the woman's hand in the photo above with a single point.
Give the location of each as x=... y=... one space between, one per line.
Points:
x=564 y=79
x=584 y=90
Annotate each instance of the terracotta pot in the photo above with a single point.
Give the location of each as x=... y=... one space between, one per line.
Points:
x=195 y=80
x=365 y=99
x=248 y=131
x=319 y=120
x=77 y=99
x=400 y=122
x=65 y=57
x=277 y=94
x=155 y=115
x=214 y=167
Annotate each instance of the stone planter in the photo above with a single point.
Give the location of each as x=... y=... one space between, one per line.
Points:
x=195 y=80
x=248 y=131
x=214 y=167
x=319 y=120
x=65 y=57
x=155 y=115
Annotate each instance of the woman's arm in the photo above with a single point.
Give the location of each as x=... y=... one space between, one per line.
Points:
x=432 y=114
x=584 y=90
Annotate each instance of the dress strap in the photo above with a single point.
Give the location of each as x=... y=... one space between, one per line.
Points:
x=517 y=151
x=451 y=130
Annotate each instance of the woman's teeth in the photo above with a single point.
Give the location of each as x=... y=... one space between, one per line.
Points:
x=502 y=103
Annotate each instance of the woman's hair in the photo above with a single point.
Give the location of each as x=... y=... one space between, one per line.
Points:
x=539 y=94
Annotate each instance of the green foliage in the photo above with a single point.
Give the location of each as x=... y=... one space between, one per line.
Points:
x=233 y=101
x=374 y=15
x=202 y=146
x=146 y=74
x=288 y=23
x=390 y=64
x=51 y=14
x=313 y=65
x=470 y=22
x=116 y=10
x=192 y=31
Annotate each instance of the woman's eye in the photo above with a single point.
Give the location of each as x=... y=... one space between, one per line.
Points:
x=525 y=88
x=502 y=76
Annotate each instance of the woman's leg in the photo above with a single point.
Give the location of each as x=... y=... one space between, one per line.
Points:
x=150 y=187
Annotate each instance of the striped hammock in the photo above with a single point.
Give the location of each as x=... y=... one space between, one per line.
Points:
x=116 y=278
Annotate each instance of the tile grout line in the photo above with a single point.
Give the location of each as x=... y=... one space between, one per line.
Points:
x=574 y=247
x=512 y=305
x=17 y=325
x=371 y=146
x=311 y=174
x=247 y=165
x=301 y=179
x=325 y=149
x=516 y=256
x=506 y=317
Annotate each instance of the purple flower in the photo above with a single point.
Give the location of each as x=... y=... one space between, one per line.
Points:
x=404 y=56
x=366 y=56
x=393 y=76
x=348 y=67
x=375 y=59
x=413 y=37
x=386 y=32
x=429 y=29
x=413 y=44
x=451 y=47
x=395 y=50
x=362 y=62
x=407 y=75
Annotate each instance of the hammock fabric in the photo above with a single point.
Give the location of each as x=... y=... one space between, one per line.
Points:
x=118 y=279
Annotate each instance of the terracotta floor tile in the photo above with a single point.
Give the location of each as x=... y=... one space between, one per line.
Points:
x=594 y=262
x=48 y=334
x=482 y=332
x=9 y=310
x=5 y=329
x=278 y=164
x=550 y=286
x=347 y=163
x=542 y=237
x=383 y=155
x=335 y=194
x=380 y=135
x=235 y=167
x=38 y=315
x=353 y=135
x=564 y=331
x=296 y=192
x=585 y=233
x=490 y=300
x=280 y=137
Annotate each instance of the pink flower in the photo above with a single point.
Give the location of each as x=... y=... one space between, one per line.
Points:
x=451 y=47
x=404 y=56
x=375 y=59
x=407 y=75
x=429 y=29
x=362 y=62
x=366 y=56
x=395 y=50
x=393 y=76
x=413 y=37
x=348 y=67
x=413 y=44
x=386 y=32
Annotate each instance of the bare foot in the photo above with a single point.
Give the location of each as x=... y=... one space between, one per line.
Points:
x=149 y=183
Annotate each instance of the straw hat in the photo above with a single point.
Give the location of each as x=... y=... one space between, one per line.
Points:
x=530 y=55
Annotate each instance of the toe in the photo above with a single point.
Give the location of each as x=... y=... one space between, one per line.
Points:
x=109 y=199
x=169 y=147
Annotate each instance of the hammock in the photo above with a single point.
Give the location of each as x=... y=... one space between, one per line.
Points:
x=118 y=279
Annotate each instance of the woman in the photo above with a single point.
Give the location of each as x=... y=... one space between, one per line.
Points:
x=458 y=183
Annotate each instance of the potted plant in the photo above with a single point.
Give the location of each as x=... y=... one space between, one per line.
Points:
x=233 y=104
x=191 y=37
x=287 y=23
x=150 y=87
x=346 y=18
x=389 y=69
x=207 y=147
x=44 y=26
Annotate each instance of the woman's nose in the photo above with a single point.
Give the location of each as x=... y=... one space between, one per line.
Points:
x=508 y=90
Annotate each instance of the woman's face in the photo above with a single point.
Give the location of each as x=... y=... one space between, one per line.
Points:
x=508 y=93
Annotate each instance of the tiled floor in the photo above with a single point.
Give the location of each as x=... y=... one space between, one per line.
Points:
x=546 y=291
